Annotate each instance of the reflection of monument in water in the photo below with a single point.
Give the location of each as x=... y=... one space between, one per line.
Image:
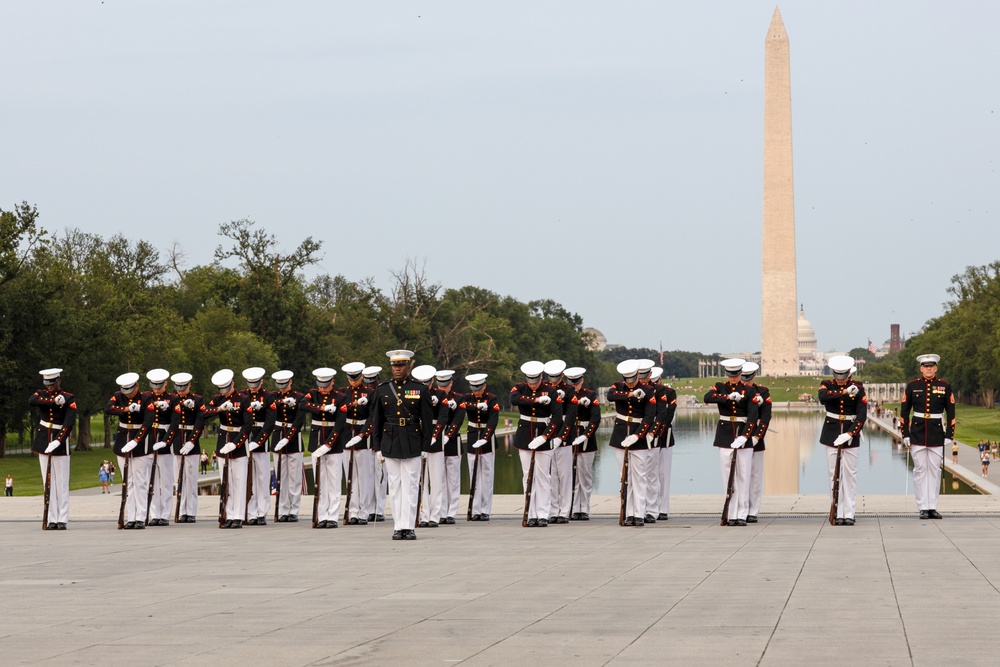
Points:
x=789 y=442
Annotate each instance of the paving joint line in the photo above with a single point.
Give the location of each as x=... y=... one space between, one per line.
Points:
x=895 y=595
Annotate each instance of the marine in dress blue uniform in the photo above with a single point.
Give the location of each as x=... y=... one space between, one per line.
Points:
x=56 y=413
x=846 y=411
x=927 y=423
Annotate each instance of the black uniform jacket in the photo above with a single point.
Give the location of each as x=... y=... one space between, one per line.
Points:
x=840 y=408
x=482 y=420
x=187 y=424
x=326 y=423
x=586 y=421
x=736 y=418
x=634 y=416
x=262 y=416
x=163 y=413
x=932 y=404
x=288 y=420
x=402 y=419
x=567 y=393
x=55 y=421
x=131 y=425
x=536 y=419
x=234 y=424
x=762 y=397
x=358 y=416
x=666 y=406
x=449 y=421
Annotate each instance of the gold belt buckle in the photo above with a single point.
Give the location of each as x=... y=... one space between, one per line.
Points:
x=402 y=421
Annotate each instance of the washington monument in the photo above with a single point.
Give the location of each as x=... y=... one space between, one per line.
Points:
x=779 y=318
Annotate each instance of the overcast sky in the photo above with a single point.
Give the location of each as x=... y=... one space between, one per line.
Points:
x=606 y=155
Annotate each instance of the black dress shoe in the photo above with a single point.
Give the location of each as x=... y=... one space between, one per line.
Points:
x=838 y=522
x=650 y=518
x=138 y=525
x=552 y=519
x=934 y=514
x=191 y=519
x=353 y=521
x=164 y=522
x=293 y=518
x=60 y=526
x=362 y=522
x=409 y=535
x=741 y=522
x=397 y=534
x=262 y=521
x=371 y=517
x=422 y=524
x=662 y=516
x=575 y=516
x=532 y=523
x=52 y=526
x=731 y=522
x=236 y=524
x=379 y=518
x=924 y=514
x=630 y=521
x=639 y=521
x=474 y=517
x=848 y=522
x=283 y=518
x=542 y=523
x=484 y=517
x=320 y=524
x=432 y=524
x=129 y=525
x=584 y=516
x=752 y=518
x=450 y=521
x=330 y=524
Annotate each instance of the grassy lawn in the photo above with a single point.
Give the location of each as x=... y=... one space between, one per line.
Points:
x=782 y=389
x=973 y=423
x=83 y=466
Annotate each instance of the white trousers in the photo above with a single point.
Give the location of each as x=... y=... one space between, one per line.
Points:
x=381 y=483
x=260 y=502
x=739 y=504
x=653 y=482
x=635 y=499
x=757 y=482
x=362 y=493
x=926 y=475
x=848 y=479
x=163 y=487
x=584 y=482
x=562 y=482
x=236 y=497
x=291 y=484
x=482 y=502
x=452 y=486
x=403 y=477
x=58 y=487
x=187 y=488
x=666 y=456
x=138 y=486
x=541 y=486
x=329 y=468
x=430 y=504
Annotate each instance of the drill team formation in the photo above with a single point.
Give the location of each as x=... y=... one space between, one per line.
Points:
x=401 y=438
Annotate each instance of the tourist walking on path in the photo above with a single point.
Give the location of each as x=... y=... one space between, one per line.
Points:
x=8 y=489
x=954 y=452
x=984 y=458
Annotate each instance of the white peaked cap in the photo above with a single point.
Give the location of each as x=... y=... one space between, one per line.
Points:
x=282 y=376
x=423 y=373
x=181 y=378
x=253 y=374
x=50 y=373
x=372 y=371
x=476 y=379
x=223 y=378
x=554 y=367
x=324 y=374
x=645 y=365
x=841 y=363
x=126 y=380
x=399 y=355
x=574 y=373
x=444 y=377
x=628 y=368
x=353 y=368
x=532 y=369
x=749 y=367
x=157 y=375
x=656 y=373
x=733 y=365
x=928 y=359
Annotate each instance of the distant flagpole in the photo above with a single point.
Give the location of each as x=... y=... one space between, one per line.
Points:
x=661 y=353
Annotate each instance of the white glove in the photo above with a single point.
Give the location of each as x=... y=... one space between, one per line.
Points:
x=754 y=440
x=289 y=401
x=758 y=399
x=452 y=404
x=478 y=443
x=579 y=440
x=739 y=442
x=483 y=405
x=444 y=440
x=59 y=400
x=330 y=408
x=281 y=443
x=948 y=442
x=537 y=442
x=129 y=446
x=228 y=447
x=423 y=455
x=649 y=439
x=562 y=394
x=842 y=439
x=353 y=441
x=380 y=456
x=434 y=441
x=320 y=451
x=630 y=440
x=134 y=407
x=157 y=446
x=584 y=402
x=187 y=448
x=735 y=396
x=251 y=445
x=556 y=442
x=227 y=406
x=362 y=400
x=852 y=390
x=256 y=405
x=163 y=405
x=906 y=442
x=638 y=393
x=434 y=400
x=188 y=403
x=52 y=446
x=544 y=399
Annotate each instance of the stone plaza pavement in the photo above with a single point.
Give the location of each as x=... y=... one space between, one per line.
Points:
x=791 y=590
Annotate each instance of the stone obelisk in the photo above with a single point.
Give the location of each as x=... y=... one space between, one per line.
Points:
x=779 y=320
